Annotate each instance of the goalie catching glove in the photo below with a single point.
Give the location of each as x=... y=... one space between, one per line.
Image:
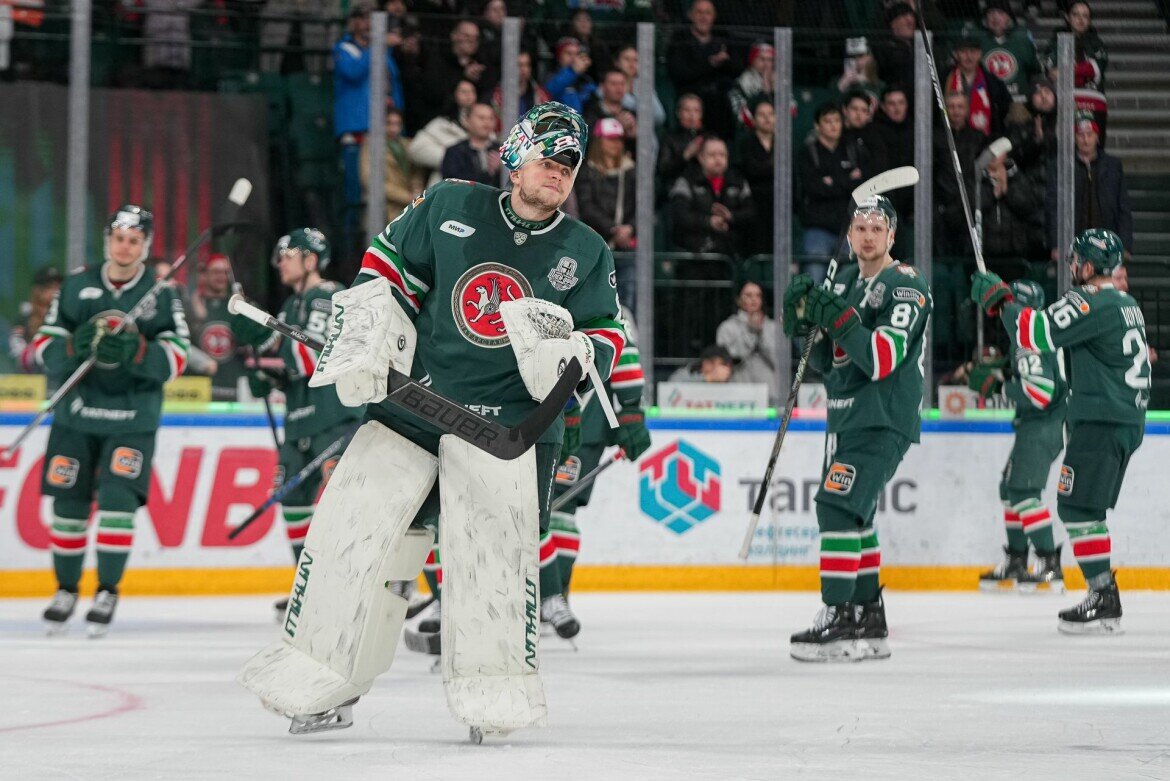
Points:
x=544 y=341
x=368 y=333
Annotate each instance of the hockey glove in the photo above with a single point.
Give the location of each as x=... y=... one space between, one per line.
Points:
x=572 y=441
x=84 y=339
x=794 y=306
x=121 y=349
x=828 y=310
x=990 y=292
x=248 y=332
x=631 y=434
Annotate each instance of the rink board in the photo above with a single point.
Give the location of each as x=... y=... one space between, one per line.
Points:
x=674 y=520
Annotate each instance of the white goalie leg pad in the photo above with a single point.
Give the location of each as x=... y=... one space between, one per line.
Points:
x=489 y=531
x=542 y=336
x=367 y=332
x=342 y=624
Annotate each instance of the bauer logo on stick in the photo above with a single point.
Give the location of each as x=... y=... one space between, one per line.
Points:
x=840 y=478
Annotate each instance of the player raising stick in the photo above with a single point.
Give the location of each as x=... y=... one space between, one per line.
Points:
x=435 y=290
x=875 y=318
x=1109 y=389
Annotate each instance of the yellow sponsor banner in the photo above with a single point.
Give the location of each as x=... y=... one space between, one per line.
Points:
x=188 y=390
x=22 y=391
x=276 y=580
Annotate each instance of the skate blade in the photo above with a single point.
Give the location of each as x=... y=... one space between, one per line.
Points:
x=477 y=734
x=96 y=631
x=872 y=649
x=1052 y=587
x=1102 y=626
x=56 y=628
x=840 y=651
x=337 y=718
x=569 y=631
x=998 y=586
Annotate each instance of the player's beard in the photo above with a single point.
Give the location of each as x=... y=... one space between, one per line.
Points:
x=538 y=199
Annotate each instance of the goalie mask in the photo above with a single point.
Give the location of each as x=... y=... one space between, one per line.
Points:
x=1098 y=246
x=549 y=131
x=304 y=240
x=130 y=216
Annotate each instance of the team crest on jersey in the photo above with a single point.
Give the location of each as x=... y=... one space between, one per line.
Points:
x=569 y=472
x=1002 y=64
x=564 y=276
x=62 y=472
x=475 y=302
x=126 y=462
x=519 y=237
x=217 y=341
x=840 y=478
x=1064 y=485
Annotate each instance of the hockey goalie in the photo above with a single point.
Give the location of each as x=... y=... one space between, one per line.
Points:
x=462 y=275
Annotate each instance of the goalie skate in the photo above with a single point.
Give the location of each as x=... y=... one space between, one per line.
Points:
x=340 y=717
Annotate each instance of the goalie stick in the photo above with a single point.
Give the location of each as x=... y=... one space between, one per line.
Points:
x=292 y=483
x=906 y=176
x=236 y=199
x=439 y=411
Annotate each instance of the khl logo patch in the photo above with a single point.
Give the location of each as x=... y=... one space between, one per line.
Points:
x=679 y=486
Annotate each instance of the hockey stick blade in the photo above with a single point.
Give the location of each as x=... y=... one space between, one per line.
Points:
x=893 y=179
x=444 y=414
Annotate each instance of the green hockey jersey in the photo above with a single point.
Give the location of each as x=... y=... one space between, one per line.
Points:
x=873 y=377
x=214 y=337
x=454 y=255
x=123 y=399
x=624 y=388
x=1012 y=58
x=1104 y=333
x=309 y=411
x=1037 y=385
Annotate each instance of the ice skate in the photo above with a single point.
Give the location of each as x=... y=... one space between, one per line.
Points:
x=871 y=629
x=425 y=638
x=1099 y=614
x=555 y=610
x=59 y=611
x=340 y=717
x=1048 y=577
x=1007 y=576
x=832 y=637
x=102 y=613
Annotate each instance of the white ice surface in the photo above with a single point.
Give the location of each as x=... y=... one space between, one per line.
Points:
x=664 y=686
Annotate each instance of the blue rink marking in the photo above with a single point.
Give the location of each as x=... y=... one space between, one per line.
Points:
x=245 y=420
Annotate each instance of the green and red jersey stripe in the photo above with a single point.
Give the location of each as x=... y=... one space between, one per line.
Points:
x=889 y=348
x=1091 y=547
x=1033 y=329
x=1038 y=390
x=840 y=555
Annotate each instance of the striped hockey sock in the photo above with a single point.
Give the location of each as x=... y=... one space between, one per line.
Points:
x=840 y=559
x=115 y=537
x=567 y=539
x=67 y=542
x=868 y=568
x=433 y=571
x=1017 y=540
x=1037 y=525
x=1091 y=546
x=296 y=525
x=550 y=573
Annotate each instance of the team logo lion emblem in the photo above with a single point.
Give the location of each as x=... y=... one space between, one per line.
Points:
x=475 y=302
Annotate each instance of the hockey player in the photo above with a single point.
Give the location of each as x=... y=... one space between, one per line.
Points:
x=314 y=417
x=1104 y=333
x=432 y=298
x=875 y=317
x=211 y=327
x=559 y=545
x=1039 y=390
x=101 y=444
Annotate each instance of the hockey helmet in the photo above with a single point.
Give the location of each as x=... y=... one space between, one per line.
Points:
x=305 y=240
x=548 y=131
x=1028 y=293
x=1100 y=247
x=878 y=204
x=131 y=216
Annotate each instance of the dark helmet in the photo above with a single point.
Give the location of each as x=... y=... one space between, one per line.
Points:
x=132 y=216
x=306 y=240
x=1100 y=247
